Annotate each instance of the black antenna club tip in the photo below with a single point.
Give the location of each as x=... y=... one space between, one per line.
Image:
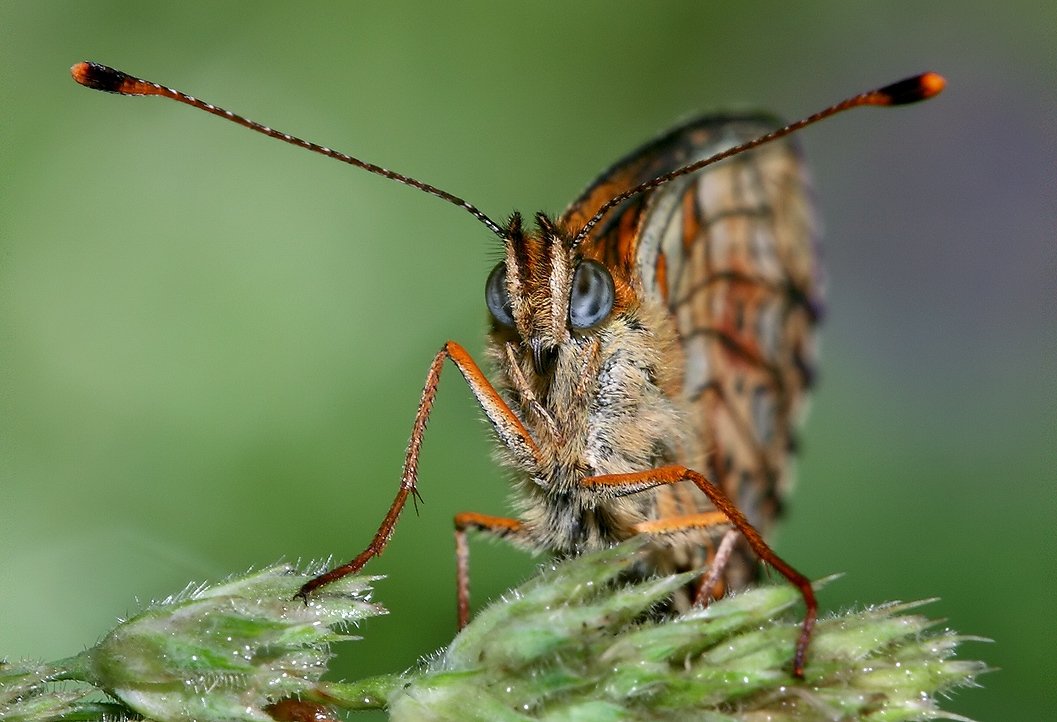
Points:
x=912 y=90
x=98 y=77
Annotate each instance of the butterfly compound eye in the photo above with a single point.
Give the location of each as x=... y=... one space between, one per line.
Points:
x=497 y=298
x=592 y=296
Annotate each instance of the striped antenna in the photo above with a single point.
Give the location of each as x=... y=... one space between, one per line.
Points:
x=107 y=79
x=910 y=90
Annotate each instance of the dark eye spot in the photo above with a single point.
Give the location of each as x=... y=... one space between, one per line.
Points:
x=496 y=297
x=592 y=296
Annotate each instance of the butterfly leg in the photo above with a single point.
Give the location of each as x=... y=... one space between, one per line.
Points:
x=636 y=482
x=511 y=432
x=704 y=520
x=499 y=527
x=711 y=584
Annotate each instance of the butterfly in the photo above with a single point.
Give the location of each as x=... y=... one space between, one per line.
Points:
x=652 y=348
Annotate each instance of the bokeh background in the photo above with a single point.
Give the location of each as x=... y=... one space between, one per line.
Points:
x=212 y=345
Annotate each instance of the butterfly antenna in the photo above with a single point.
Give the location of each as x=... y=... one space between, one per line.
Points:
x=910 y=90
x=107 y=79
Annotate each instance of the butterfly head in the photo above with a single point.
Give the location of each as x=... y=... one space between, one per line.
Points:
x=544 y=296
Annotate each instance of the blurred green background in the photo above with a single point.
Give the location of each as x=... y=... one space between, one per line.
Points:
x=212 y=345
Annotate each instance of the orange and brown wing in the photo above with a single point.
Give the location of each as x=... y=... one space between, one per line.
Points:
x=730 y=252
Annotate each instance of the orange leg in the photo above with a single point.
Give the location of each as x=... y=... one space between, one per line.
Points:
x=624 y=484
x=703 y=520
x=499 y=527
x=711 y=584
x=508 y=427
